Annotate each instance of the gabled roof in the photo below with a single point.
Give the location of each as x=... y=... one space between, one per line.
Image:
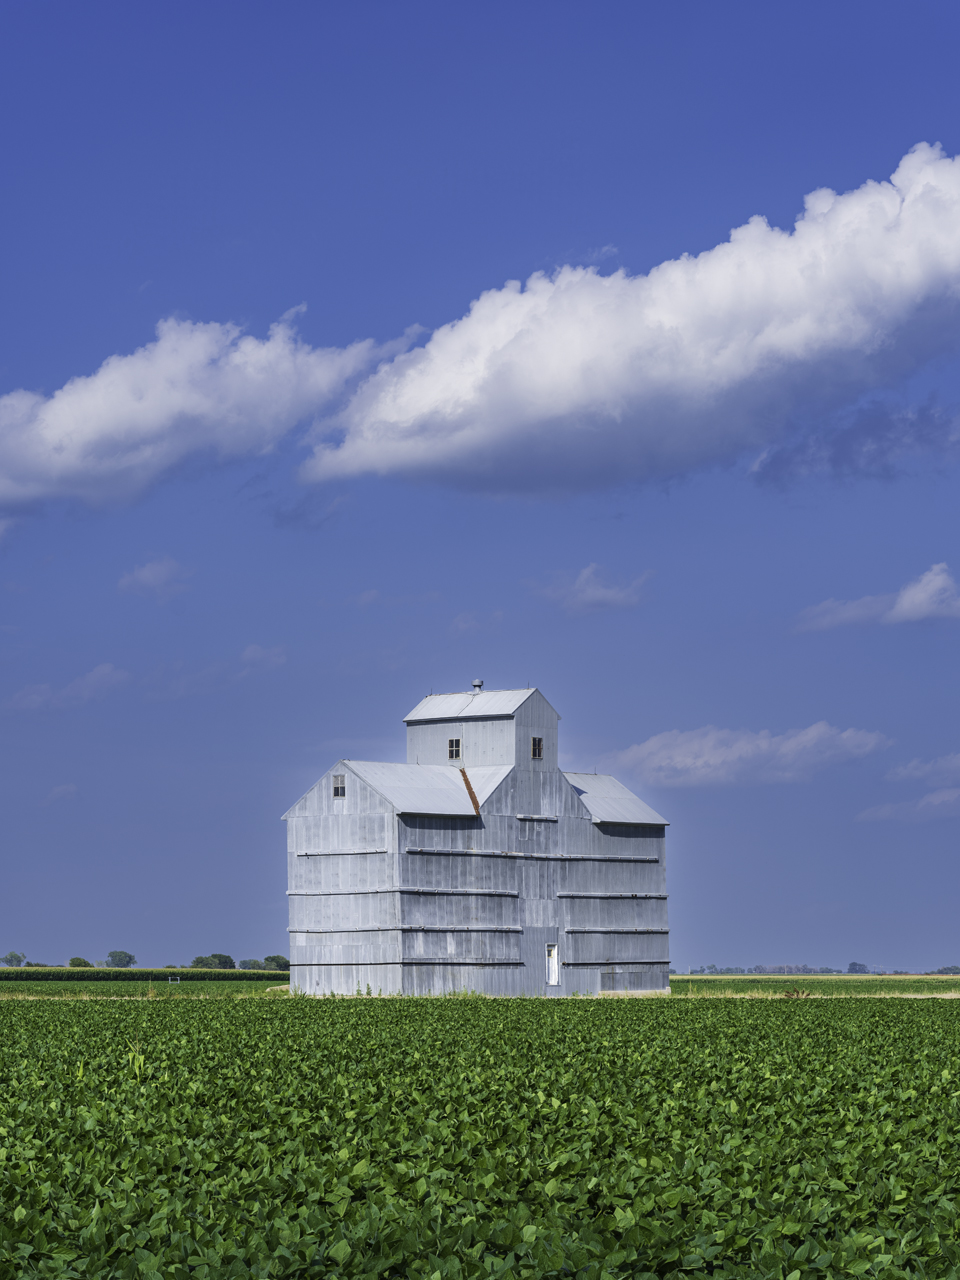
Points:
x=469 y=706
x=429 y=788
x=610 y=801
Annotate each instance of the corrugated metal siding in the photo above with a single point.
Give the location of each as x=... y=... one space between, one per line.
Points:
x=482 y=743
x=536 y=718
x=452 y=910
x=340 y=872
x=461 y=871
x=335 y=913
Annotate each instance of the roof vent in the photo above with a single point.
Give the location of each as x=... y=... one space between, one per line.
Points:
x=477 y=686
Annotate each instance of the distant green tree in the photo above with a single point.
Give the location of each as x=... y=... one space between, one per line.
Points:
x=78 y=962
x=950 y=968
x=215 y=961
x=276 y=962
x=36 y=964
x=120 y=960
x=13 y=959
x=251 y=964
x=854 y=967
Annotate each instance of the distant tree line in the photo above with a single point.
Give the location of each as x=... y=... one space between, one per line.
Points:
x=853 y=967
x=126 y=960
x=762 y=968
x=217 y=960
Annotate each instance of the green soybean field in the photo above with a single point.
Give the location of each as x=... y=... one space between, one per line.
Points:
x=464 y=1137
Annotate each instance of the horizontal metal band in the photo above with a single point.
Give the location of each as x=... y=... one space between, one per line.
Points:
x=351 y=893
x=592 y=857
x=612 y=895
x=336 y=853
x=606 y=964
x=470 y=853
x=461 y=928
x=382 y=964
x=414 y=928
x=537 y=817
x=626 y=932
x=462 y=719
x=541 y=857
x=469 y=893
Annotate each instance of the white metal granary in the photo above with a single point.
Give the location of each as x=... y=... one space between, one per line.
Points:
x=477 y=865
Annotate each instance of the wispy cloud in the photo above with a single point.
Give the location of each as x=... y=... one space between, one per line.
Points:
x=572 y=380
x=936 y=804
x=712 y=756
x=95 y=684
x=465 y=622
x=943 y=769
x=161 y=578
x=181 y=680
x=66 y=791
x=877 y=439
x=933 y=595
x=586 y=592
x=254 y=655
x=942 y=803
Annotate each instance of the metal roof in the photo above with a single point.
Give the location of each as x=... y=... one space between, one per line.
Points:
x=486 y=778
x=610 y=801
x=469 y=706
x=429 y=788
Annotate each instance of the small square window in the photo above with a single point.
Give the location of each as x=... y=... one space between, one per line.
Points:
x=453 y=748
x=553 y=965
x=536 y=748
x=339 y=785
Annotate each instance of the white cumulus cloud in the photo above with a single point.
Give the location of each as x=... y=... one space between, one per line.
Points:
x=578 y=378
x=197 y=388
x=933 y=595
x=95 y=684
x=572 y=380
x=712 y=756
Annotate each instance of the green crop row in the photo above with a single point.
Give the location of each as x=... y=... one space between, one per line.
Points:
x=475 y=1138
x=139 y=990
x=65 y=974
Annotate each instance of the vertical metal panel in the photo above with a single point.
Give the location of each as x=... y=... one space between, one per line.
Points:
x=536 y=718
x=482 y=742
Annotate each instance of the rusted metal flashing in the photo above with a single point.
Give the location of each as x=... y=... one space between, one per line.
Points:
x=471 y=793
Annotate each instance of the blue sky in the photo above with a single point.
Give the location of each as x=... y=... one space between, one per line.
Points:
x=350 y=352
